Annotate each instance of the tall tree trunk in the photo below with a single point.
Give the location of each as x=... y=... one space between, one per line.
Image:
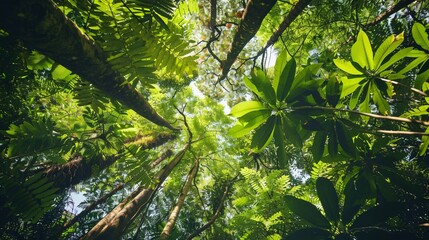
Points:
x=114 y=223
x=176 y=210
x=254 y=14
x=41 y=25
x=93 y=205
x=80 y=168
x=161 y=158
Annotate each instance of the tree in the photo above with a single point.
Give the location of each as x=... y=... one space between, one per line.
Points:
x=119 y=99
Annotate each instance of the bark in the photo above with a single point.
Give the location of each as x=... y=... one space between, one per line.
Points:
x=392 y=10
x=40 y=25
x=290 y=17
x=92 y=206
x=254 y=14
x=176 y=210
x=161 y=158
x=217 y=213
x=114 y=224
x=80 y=168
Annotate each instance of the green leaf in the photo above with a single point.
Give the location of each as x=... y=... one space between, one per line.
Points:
x=347 y=66
x=350 y=85
x=319 y=143
x=413 y=64
x=252 y=121
x=279 y=142
x=261 y=86
x=382 y=104
x=281 y=62
x=425 y=143
x=396 y=57
x=60 y=72
x=362 y=51
x=291 y=133
x=307 y=211
x=329 y=198
x=345 y=139
x=309 y=234
x=263 y=135
x=283 y=86
x=333 y=91
x=420 y=35
x=387 y=47
x=245 y=107
x=377 y=215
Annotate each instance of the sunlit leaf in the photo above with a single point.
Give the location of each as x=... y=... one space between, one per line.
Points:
x=387 y=47
x=346 y=66
x=362 y=51
x=245 y=107
x=420 y=35
x=285 y=82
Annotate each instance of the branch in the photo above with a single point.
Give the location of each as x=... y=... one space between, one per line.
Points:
x=41 y=25
x=391 y=118
x=392 y=10
x=254 y=14
x=292 y=15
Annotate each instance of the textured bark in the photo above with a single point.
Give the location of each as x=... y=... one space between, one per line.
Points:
x=40 y=25
x=180 y=201
x=114 y=223
x=290 y=17
x=161 y=158
x=92 y=206
x=254 y=14
x=392 y=10
x=80 y=169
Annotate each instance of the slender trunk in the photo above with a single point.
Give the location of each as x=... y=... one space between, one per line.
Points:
x=80 y=169
x=41 y=25
x=92 y=206
x=254 y=14
x=296 y=10
x=392 y=10
x=176 y=210
x=161 y=158
x=114 y=224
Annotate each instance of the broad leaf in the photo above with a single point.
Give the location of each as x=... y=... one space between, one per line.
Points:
x=425 y=143
x=329 y=198
x=420 y=35
x=263 y=135
x=285 y=81
x=291 y=132
x=279 y=142
x=307 y=211
x=362 y=52
x=377 y=215
x=345 y=139
x=245 y=107
x=387 y=47
x=396 y=57
x=333 y=91
x=347 y=66
x=350 y=85
x=319 y=145
x=243 y=128
x=261 y=86
x=382 y=104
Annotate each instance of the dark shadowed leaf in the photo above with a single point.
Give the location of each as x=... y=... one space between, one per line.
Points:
x=263 y=135
x=307 y=211
x=309 y=234
x=328 y=197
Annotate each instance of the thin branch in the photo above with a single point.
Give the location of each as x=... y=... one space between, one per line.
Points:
x=392 y=10
x=403 y=85
x=391 y=118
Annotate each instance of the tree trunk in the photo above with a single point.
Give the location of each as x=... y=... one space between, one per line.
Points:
x=161 y=158
x=176 y=210
x=40 y=25
x=80 y=169
x=254 y=14
x=92 y=206
x=114 y=223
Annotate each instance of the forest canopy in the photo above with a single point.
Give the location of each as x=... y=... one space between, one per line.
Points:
x=214 y=119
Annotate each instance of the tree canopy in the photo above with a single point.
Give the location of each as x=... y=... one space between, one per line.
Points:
x=186 y=119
